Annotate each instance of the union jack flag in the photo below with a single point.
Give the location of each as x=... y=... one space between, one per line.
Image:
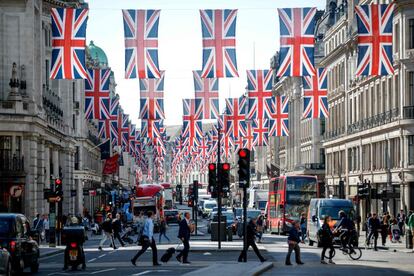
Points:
x=191 y=109
x=141 y=44
x=260 y=132
x=204 y=148
x=150 y=129
x=227 y=146
x=315 y=95
x=238 y=143
x=235 y=116
x=219 y=43
x=259 y=89
x=207 y=95
x=248 y=138
x=375 y=39
x=297 y=42
x=97 y=94
x=152 y=98
x=68 y=43
x=279 y=121
x=112 y=122
x=124 y=132
x=131 y=139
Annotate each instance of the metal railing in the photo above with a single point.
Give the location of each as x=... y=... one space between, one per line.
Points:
x=374 y=121
x=11 y=163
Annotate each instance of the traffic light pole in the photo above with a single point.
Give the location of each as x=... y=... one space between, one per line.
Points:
x=244 y=223
x=219 y=188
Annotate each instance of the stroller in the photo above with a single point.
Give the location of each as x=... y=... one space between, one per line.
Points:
x=396 y=233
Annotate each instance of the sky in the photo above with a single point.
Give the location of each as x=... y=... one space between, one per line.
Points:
x=180 y=45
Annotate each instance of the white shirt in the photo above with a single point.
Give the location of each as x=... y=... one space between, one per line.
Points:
x=46 y=224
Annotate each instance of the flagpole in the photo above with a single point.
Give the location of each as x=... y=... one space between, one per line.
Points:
x=219 y=184
x=91 y=149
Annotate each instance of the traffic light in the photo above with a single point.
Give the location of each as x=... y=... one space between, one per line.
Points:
x=244 y=168
x=58 y=187
x=225 y=179
x=363 y=190
x=212 y=180
x=190 y=202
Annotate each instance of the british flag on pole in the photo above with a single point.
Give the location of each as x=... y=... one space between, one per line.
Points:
x=141 y=43
x=68 y=43
x=124 y=131
x=112 y=122
x=235 y=116
x=260 y=132
x=131 y=140
x=259 y=89
x=315 y=95
x=97 y=103
x=207 y=95
x=152 y=98
x=297 y=42
x=279 y=120
x=219 y=43
x=375 y=39
x=248 y=138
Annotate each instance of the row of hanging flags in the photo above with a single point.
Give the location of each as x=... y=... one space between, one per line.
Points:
x=247 y=121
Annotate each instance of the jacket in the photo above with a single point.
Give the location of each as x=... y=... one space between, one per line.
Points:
x=184 y=230
x=294 y=235
x=411 y=222
x=250 y=231
x=374 y=224
x=107 y=226
x=117 y=226
x=325 y=235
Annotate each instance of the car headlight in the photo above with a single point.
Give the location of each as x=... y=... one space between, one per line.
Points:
x=288 y=224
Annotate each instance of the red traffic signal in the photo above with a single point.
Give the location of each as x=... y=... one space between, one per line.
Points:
x=211 y=167
x=226 y=166
x=58 y=181
x=242 y=153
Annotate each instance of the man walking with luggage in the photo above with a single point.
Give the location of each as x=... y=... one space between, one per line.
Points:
x=184 y=234
x=250 y=237
x=147 y=240
x=293 y=242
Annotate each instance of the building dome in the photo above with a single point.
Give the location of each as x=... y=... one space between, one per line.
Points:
x=97 y=55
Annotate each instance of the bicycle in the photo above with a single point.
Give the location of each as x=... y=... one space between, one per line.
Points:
x=354 y=252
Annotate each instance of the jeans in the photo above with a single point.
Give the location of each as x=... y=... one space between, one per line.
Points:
x=297 y=253
x=303 y=232
x=163 y=233
x=144 y=248
x=107 y=236
x=331 y=251
x=117 y=236
x=375 y=234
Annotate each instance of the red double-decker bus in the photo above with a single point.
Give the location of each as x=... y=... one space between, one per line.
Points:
x=289 y=197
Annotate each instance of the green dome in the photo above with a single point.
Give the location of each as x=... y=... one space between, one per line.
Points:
x=97 y=54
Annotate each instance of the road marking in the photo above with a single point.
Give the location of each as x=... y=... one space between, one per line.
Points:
x=112 y=252
x=49 y=257
x=103 y=255
x=91 y=260
x=101 y=271
x=142 y=273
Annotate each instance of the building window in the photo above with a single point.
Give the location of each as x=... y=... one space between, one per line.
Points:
x=77 y=159
x=74 y=122
x=411 y=34
x=47 y=73
x=411 y=150
x=410 y=96
x=397 y=38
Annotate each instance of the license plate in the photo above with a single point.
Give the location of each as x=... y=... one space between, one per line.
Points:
x=73 y=254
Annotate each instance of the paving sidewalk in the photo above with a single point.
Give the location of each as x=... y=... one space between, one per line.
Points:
x=233 y=268
x=391 y=246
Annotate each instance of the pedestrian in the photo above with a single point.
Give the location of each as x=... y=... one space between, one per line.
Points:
x=293 y=242
x=259 y=228
x=184 y=233
x=163 y=229
x=139 y=221
x=117 y=227
x=366 y=225
x=393 y=222
x=326 y=236
x=401 y=221
x=107 y=232
x=384 y=229
x=38 y=227
x=374 y=225
x=147 y=240
x=250 y=237
x=46 y=227
x=303 y=226
x=410 y=224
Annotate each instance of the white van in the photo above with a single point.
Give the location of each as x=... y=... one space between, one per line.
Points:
x=208 y=206
x=319 y=208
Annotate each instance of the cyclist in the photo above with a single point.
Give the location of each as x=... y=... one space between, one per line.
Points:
x=347 y=228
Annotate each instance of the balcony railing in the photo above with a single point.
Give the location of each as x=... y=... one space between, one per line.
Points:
x=374 y=121
x=11 y=163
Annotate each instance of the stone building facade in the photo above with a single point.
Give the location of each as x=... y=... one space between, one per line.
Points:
x=370 y=132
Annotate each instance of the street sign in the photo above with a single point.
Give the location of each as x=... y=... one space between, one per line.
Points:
x=16 y=191
x=54 y=199
x=85 y=192
x=72 y=193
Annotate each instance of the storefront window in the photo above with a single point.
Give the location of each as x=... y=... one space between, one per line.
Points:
x=411 y=150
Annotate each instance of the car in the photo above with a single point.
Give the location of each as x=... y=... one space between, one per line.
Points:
x=229 y=219
x=208 y=207
x=5 y=262
x=171 y=216
x=16 y=237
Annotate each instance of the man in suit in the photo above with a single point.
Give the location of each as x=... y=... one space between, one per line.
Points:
x=250 y=237
x=184 y=233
